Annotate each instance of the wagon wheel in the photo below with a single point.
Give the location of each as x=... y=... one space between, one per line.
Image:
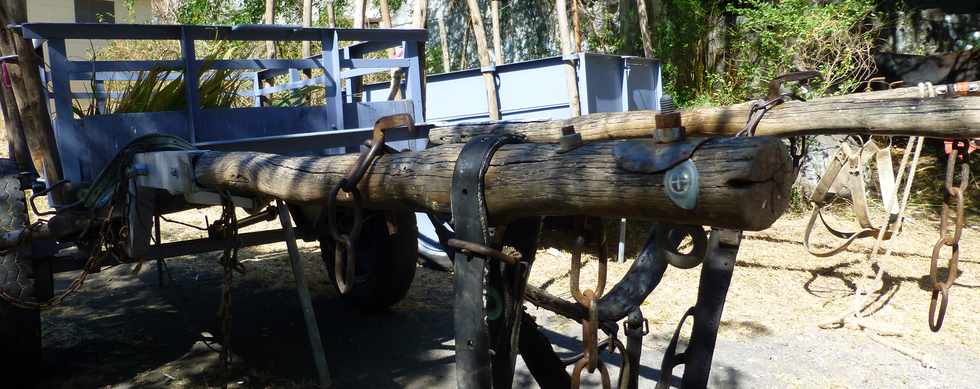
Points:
x=387 y=250
x=20 y=329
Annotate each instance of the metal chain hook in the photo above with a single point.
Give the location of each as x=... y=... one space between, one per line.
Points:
x=952 y=197
x=344 y=251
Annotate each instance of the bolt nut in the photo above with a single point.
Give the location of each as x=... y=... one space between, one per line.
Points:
x=570 y=140
x=669 y=135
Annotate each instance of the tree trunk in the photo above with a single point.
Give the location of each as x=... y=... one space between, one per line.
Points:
x=307 y=22
x=444 y=42
x=576 y=29
x=571 y=79
x=385 y=14
x=331 y=17
x=359 y=13
x=884 y=112
x=420 y=15
x=270 y=18
x=744 y=182
x=463 y=64
x=641 y=7
x=28 y=89
x=480 y=35
x=498 y=50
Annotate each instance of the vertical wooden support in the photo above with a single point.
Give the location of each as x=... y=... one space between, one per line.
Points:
x=331 y=83
x=414 y=83
x=571 y=80
x=64 y=117
x=31 y=97
x=498 y=51
x=14 y=127
x=191 y=80
x=312 y=329
x=486 y=67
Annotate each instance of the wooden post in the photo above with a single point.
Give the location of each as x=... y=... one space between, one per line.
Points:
x=31 y=102
x=307 y=22
x=270 y=18
x=489 y=81
x=571 y=79
x=498 y=50
x=744 y=181
x=894 y=112
x=641 y=7
x=359 y=13
x=444 y=42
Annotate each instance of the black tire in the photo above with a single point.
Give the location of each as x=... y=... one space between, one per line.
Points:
x=387 y=252
x=20 y=329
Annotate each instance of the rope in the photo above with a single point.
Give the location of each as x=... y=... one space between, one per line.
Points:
x=861 y=299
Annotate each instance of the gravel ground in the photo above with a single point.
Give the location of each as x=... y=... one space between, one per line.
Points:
x=126 y=330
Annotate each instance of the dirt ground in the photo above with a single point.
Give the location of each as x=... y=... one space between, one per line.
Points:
x=125 y=329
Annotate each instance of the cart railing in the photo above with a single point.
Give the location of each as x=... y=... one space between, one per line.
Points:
x=86 y=144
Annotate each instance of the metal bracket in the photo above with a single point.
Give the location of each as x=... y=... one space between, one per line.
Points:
x=647 y=156
x=173 y=171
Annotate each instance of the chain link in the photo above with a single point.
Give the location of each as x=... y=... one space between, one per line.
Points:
x=344 y=242
x=589 y=299
x=100 y=249
x=227 y=229
x=952 y=202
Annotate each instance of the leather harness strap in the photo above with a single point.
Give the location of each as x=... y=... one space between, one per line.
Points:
x=473 y=367
x=855 y=162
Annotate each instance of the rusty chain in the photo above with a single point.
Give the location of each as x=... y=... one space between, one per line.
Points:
x=589 y=299
x=227 y=229
x=99 y=250
x=952 y=198
x=344 y=242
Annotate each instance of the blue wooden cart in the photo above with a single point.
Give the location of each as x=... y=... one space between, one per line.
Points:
x=159 y=184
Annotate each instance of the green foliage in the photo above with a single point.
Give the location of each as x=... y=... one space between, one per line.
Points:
x=707 y=64
x=157 y=90
x=681 y=43
x=790 y=35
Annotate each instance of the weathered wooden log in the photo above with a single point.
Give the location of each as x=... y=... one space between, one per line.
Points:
x=892 y=112
x=744 y=182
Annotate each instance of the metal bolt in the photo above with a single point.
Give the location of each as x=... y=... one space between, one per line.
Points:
x=667 y=104
x=668 y=113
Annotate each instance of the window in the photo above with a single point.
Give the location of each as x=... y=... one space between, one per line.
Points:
x=95 y=11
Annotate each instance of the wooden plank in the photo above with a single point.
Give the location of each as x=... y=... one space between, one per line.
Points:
x=251 y=122
x=744 y=181
x=385 y=63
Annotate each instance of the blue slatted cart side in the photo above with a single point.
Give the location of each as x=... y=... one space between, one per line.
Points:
x=86 y=144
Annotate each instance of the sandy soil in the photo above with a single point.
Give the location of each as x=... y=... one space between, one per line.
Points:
x=125 y=330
